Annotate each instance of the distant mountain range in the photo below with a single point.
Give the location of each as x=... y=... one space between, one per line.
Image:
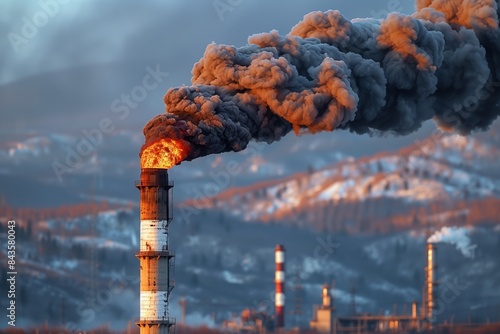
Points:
x=423 y=181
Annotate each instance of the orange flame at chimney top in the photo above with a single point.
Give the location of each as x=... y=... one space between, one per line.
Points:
x=164 y=153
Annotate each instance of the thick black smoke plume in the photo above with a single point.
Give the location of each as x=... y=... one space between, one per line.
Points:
x=365 y=75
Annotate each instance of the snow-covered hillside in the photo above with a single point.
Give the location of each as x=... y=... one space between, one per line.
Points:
x=440 y=169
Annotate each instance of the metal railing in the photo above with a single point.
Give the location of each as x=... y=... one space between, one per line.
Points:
x=169 y=253
x=137 y=183
x=167 y=319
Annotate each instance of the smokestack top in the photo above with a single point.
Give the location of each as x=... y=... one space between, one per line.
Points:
x=154 y=171
x=325 y=294
x=154 y=177
x=457 y=236
x=279 y=252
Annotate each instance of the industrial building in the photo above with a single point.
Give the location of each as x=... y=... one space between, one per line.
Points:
x=325 y=321
x=323 y=316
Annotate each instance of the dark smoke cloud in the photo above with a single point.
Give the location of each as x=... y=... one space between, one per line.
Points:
x=365 y=75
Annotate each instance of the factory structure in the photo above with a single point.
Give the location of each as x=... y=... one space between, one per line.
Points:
x=325 y=321
x=156 y=259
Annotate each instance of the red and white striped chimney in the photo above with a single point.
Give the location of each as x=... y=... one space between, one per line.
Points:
x=279 y=280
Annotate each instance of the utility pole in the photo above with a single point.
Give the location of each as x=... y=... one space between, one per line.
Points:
x=353 y=298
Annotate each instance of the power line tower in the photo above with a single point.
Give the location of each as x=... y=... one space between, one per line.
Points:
x=298 y=295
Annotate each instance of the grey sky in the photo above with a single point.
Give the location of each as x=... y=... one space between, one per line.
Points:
x=88 y=53
x=92 y=32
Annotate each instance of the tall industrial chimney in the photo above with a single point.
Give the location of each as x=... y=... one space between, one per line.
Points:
x=431 y=283
x=279 y=280
x=414 y=314
x=156 y=260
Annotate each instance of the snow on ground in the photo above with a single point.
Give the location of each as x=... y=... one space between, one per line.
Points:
x=64 y=264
